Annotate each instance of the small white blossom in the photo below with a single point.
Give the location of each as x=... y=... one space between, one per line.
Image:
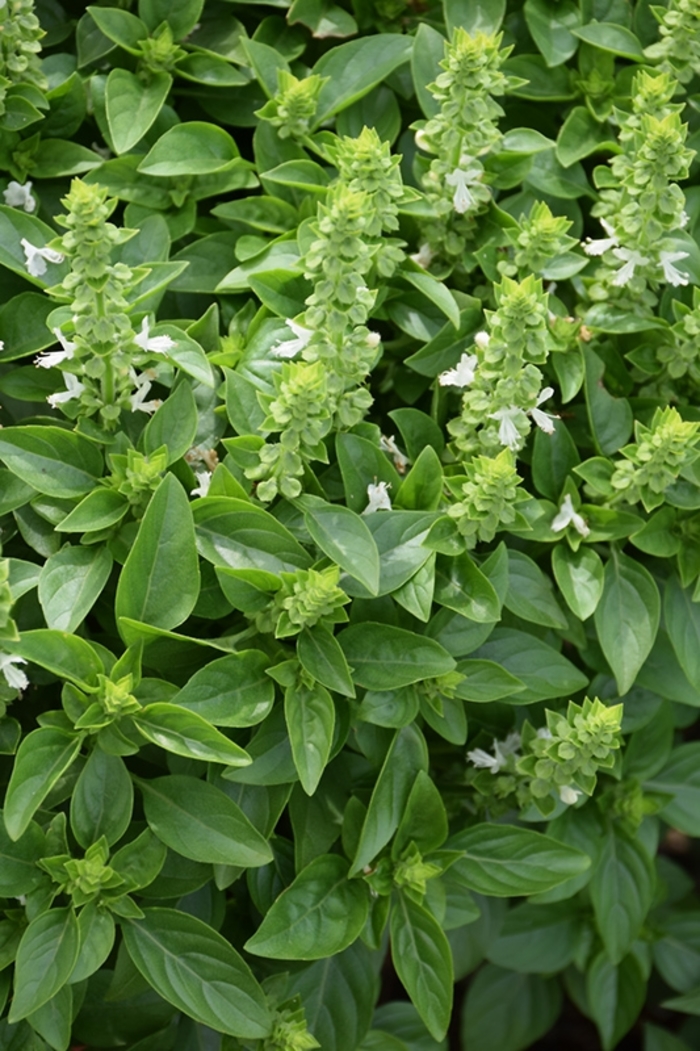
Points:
x=631 y=259
x=18 y=195
x=671 y=273
x=74 y=388
x=462 y=374
x=154 y=344
x=13 y=676
x=482 y=340
x=421 y=141
x=568 y=794
x=37 y=258
x=544 y=733
x=378 y=496
x=424 y=256
x=388 y=445
x=481 y=758
x=373 y=339
x=204 y=479
x=501 y=751
x=541 y=418
x=508 y=433
x=462 y=179
x=569 y=516
x=684 y=219
x=602 y=244
x=143 y=385
x=289 y=348
x=55 y=357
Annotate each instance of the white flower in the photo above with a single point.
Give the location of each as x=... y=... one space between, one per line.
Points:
x=373 y=339
x=388 y=445
x=508 y=433
x=378 y=497
x=156 y=344
x=19 y=196
x=204 y=479
x=569 y=516
x=604 y=243
x=671 y=274
x=37 y=258
x=424 y=256
x=462 y=374
x=482 y=340
x=13 y=676
x=143 y=385
x=482 y=759
x=290 y=347
x=684 y=219
x=462 y=179
x=55 y=357
x=421 y=141
x=569 y=795
x=631 y=259
x=74 y=388
x=501 y=751
x=541 y=418
x=544 y=733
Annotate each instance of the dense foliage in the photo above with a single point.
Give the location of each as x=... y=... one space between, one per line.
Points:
x=350 y=523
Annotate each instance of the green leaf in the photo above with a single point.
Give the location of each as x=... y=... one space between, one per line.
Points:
x=232 y=532
x=502 y=860
x=42 y=758
x=461 y=586
x=553 y=457
x=174 y=424
x=506 y=1011
x=310 y=715
x=545 y=672
x=54 y=1019
x=52 y=460
x=23 y=325
x=424 y=820
x=609 y=36
x=338 y=994
x=19 y=873
x=486 y=681
x=199 y=821
x=383 y=657
x=536 y=940
x=184 y=732
x=45 y=959
x=681 y=779
x=627 y=618
x=182 y=19
x=100 y=509
x=345 y=538
x=437 y=292
x=580 y=576
x=621 y=888
x=406 y=757
x=616 y=995
x=428 y=52
x=120 y=26
x=355 y=68
x=580 y=136
x=610 y=418
x=321 y=656
x=321 y=913
x=423 y=960
x=361 y=464
x=159 y=583
x=70 y=583
x=476 y=16
x=682 y=618
x=132 y=105
x=15 y=225
x=192 y=148
x=231 y=691
x=198 y=971
x=102 y=800
x=551 y=26
x=66 y=656
x=97 y=930
x=530 y=594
